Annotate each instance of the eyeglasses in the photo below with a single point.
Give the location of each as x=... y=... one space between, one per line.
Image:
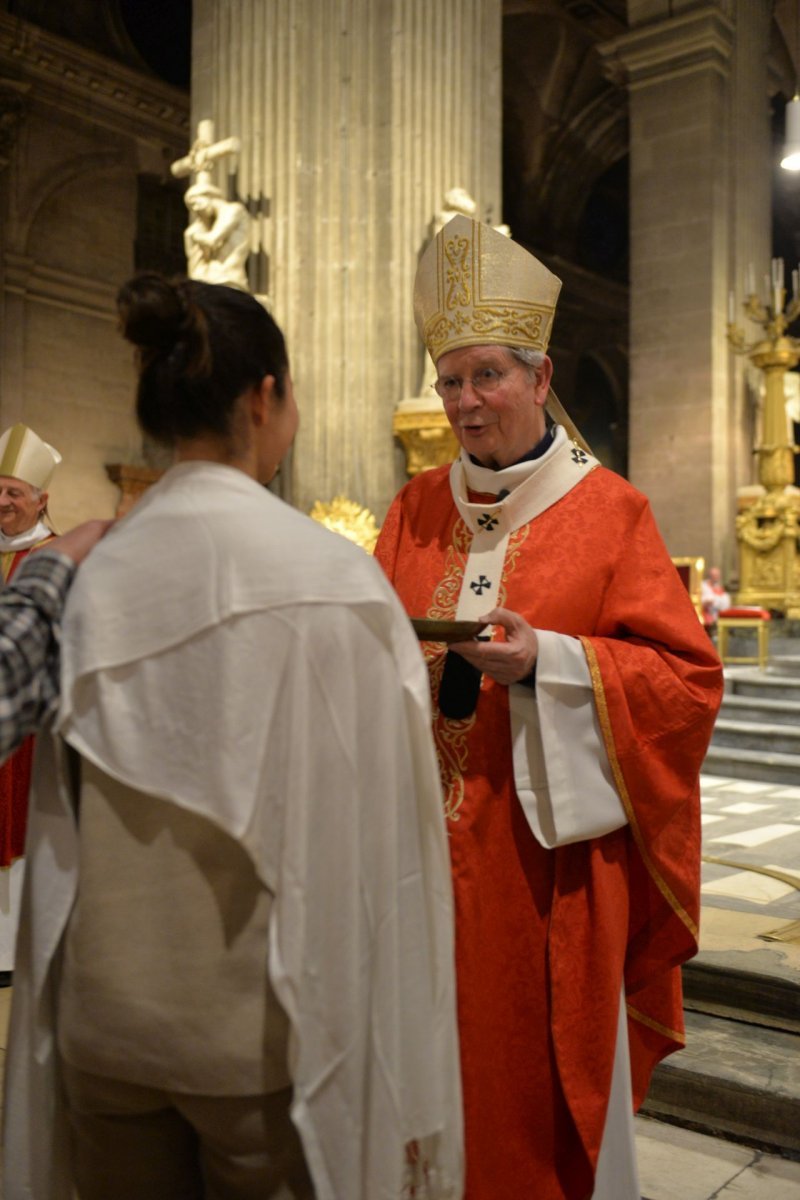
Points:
x=484 y=382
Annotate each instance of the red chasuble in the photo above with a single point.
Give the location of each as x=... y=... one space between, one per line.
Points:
x=15 y=772
x=544 y=938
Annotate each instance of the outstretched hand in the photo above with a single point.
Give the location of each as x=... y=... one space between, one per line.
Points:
x=506 y=661
x=77 y=543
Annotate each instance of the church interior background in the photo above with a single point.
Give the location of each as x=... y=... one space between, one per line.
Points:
x=632 y=146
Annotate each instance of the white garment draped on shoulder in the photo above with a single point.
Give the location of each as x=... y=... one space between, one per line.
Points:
x=307 y=739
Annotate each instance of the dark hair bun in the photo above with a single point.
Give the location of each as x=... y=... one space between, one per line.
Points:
x=158 y=317
x=151 y=311
x=200 y=347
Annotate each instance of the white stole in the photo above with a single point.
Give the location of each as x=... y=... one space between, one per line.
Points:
x=533 y=486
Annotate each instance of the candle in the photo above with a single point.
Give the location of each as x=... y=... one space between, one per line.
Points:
x=731 y=308
x=751 y=279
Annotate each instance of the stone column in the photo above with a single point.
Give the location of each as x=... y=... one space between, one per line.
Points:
x=700 y=211
x=355 y=120
x=14 y=105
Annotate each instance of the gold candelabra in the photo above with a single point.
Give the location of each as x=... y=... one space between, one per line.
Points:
x=767 y=528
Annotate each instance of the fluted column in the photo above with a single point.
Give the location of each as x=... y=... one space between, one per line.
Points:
x=355 y=116
x=751 y=197
x=697 y=80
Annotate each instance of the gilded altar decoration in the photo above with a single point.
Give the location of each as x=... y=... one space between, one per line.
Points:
x=425 y=433
x=768 y=524
x=348 y=518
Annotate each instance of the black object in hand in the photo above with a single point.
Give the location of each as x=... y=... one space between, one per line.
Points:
x=459 y=689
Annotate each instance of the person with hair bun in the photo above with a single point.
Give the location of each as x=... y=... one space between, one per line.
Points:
x=235 y=965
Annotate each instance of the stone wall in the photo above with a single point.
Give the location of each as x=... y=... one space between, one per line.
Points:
x=84 y=129
x=697 y=75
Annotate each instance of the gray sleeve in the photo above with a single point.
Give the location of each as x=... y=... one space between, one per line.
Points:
x=30 y=632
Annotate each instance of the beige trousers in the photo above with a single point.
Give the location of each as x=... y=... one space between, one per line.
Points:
x=136 y=1143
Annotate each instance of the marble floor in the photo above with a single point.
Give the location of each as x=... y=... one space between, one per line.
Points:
x=676 y=1164
x=748 y=824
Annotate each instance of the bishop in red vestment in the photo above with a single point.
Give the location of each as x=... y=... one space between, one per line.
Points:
x=26 y=468
x=569 y=744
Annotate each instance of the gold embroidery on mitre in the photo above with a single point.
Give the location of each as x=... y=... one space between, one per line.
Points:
x=457 y=274
x=476 y=286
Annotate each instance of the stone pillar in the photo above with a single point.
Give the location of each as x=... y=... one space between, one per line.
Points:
x=14 y=104
x=355 y=120
x=700 y=211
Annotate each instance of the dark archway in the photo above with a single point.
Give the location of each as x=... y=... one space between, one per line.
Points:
x=596 y=411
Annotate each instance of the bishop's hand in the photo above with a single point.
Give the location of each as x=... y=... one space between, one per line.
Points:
x=506 y=660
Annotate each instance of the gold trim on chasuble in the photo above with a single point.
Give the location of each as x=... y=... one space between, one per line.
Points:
x=450 y=737
x=608 y=737
x=7 y=558
x=673 y=1034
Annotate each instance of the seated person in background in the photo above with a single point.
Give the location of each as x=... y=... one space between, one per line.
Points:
x=713 y=598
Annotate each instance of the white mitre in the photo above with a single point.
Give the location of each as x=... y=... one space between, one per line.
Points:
x=23 y=455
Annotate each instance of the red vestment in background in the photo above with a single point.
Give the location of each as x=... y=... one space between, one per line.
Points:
x=15 y=772
x=544 y=938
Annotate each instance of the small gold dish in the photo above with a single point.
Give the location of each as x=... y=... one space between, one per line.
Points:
x=428 y=630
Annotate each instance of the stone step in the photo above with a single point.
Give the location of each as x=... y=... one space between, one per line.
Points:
x=763 y=684
x=756 y=735
x=758 y=998
x=784 y=664
x=763 y=709
x=733 y=1080
x=752 y=764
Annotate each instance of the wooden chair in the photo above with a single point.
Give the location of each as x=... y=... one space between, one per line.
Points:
x=691 y=573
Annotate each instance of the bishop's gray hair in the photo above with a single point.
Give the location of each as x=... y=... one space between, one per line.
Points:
x=530 y=358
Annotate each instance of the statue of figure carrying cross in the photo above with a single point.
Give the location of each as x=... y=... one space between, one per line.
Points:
x=217 y=239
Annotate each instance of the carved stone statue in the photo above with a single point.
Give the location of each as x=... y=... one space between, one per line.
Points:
x=217 y=238
x=204 y=153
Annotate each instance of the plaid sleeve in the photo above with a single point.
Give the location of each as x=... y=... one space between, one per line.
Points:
x=30 y=636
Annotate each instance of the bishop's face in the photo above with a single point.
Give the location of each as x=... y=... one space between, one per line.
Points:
x=20 y=505
x=494 y=403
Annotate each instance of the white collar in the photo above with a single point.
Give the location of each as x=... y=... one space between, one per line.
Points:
x=533 y=486
x=23 y=541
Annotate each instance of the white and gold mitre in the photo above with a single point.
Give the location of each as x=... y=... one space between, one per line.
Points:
x=476 y=287
x=23 y=455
